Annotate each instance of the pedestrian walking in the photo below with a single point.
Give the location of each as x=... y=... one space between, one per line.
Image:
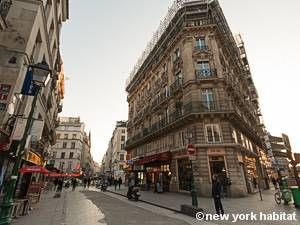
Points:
x=88 y=182
x=119 y=182
x=115 y=183
x=216 y=194
x=84 y=182
x=74 y=183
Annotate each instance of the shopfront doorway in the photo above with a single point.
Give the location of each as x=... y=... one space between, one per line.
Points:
x=184 y=174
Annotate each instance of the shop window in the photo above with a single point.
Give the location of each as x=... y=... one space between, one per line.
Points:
x=213 y=133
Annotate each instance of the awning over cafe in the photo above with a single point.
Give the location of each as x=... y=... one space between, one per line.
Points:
x=63 y=174
x=33 y=169
x=165 y=156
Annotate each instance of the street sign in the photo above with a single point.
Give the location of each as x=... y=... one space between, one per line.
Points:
x=191 y=151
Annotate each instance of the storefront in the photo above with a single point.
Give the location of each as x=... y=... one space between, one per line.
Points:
x=251 y=174
x=153 y=171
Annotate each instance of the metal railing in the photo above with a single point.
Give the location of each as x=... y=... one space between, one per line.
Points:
x=176 y=85
x=205 y=73
x=201 y=47
x=4 y=7
x=194 y=107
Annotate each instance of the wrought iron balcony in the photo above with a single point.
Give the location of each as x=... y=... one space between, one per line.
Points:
x=4 y=7
x=205 y=73
x=176 y=85
x=194 y=107
x=201 y=47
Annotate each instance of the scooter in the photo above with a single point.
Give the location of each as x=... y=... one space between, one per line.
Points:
x=103 y=187
x=133 y=193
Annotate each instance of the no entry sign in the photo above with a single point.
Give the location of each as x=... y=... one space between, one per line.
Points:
x=191 y=151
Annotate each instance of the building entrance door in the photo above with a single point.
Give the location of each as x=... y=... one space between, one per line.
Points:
x=184 y=174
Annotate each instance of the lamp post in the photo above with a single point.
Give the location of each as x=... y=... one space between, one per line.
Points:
x=189 y=136
x=40 y=76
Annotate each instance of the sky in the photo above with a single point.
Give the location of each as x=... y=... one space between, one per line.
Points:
x=102 y=41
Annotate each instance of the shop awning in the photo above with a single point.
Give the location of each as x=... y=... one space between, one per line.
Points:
x=165 y=156
x=33 y=169
x=63 y=174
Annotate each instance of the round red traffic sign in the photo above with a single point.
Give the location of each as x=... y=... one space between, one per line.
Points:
x=191 y=150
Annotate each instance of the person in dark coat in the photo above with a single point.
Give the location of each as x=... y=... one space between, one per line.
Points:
x=216 y=194
x=119 y=182
x=74 y=183
x=115 y=181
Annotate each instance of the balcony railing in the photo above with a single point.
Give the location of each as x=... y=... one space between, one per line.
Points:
x=195 y=107
x=205 y=73
x=4 y=7
x=176 y=85
x=201 y=47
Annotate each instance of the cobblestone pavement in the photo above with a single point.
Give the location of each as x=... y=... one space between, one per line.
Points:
x=249 y=204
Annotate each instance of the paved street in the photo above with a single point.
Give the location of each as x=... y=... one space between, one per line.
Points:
x=231 y=205
x=75 y=208
x=92 y=207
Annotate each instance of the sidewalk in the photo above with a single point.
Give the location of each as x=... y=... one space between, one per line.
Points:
x=231 y=205
x=72 y=208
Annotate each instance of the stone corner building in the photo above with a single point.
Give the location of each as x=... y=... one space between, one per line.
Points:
x=194 y=79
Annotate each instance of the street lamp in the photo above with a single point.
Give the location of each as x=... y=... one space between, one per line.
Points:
x=40 y=77
x=189 y=136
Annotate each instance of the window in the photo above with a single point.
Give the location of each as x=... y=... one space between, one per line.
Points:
x=64 y=144
x=122 y=138
x=4 y=91
x=213 y=133
x=234 y=136
x=123 y=131
x=74 y=136
x=73 y=145
x=200 y=43
x=203 y=69
x=69 y=166
x=121 y=167
x=71 y=155
x=66 y=136
x=63 y=154
x=54 y=155
x=207 y=99
x=58 y=136
x=121 y=157
x=176 y=54
x=61 y=165
x=122 y=146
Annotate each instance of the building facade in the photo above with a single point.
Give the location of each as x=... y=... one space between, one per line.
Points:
x=193 y=85
x=114 y=159
x=30 y=34
x=118 y=150
x=67 y=153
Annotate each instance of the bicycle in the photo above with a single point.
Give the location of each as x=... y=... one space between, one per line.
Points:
x=284 y=194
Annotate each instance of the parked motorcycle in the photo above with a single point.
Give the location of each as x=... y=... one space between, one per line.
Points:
x=133 y=193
